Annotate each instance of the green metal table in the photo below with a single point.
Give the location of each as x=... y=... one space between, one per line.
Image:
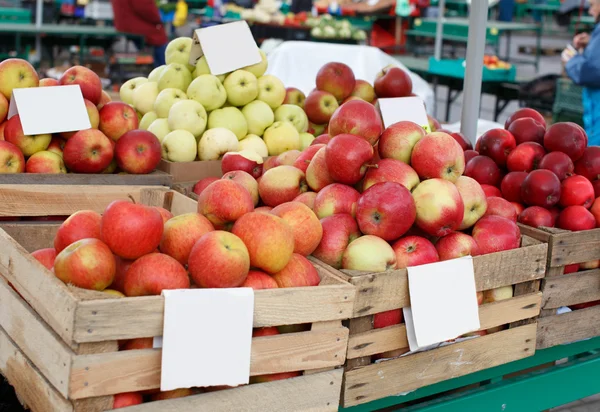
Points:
x=549 y=386
x=585 y=22
x=548 y=10
x=457 y=29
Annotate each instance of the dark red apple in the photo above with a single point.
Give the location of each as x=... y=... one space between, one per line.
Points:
x=571 y=268
x=589 y=164
x=511 y=186
x=528 y=129
x=568 y=138
x=393 y=82
x=576 y=190
x=524 y=113
x=576 y=218
x=495 y=234
x=462 y=140
x=541 y=188
x=558 y=163
x=536 y=216
x=347 y=158
x=470 y=154
x=496 y=206
x=518 y=207
x=554 y=211
x=484 y=170
x=496 y=144
x=490 y=190
x=596 y=184
x=525 y=158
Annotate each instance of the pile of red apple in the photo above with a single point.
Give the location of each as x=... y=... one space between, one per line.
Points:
x=112 y=144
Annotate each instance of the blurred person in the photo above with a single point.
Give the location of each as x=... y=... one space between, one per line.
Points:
x=143 y=18
x=582 y=64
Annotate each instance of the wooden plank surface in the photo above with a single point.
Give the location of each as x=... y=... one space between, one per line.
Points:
x=48 y=296
x=31 y=387
x=410 y=372
x=114 y=319
x=319 y=392
x=490 y=315
x=157 y=178
x=379 y=292
x=568 y=327
x=574 y=247
x=35 y=339
x=571 y=289
x=32 y=235
x=191 y=171
x=110 y=373
x=51 y=200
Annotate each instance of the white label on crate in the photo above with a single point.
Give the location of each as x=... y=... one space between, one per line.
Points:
x=397 y=109
x=207 y=337
x=53 y=109
x=443 y=302
x=227 y=47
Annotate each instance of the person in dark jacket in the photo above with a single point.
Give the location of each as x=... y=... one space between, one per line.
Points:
x=143 y=18
x=584 y=70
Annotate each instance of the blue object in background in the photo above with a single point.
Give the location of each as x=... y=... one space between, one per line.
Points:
x=537 y=14
x=506 y=10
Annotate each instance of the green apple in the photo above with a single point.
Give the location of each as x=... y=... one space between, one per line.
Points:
x=254 y=143
x=281 y=137
x=202 y=68
x=293 y=114
x=271 y=91
x=175 y=76
x=214 y=143
x=230 y=118
x=147 y=120
x=166 y=99
x=207 y=90
x=188 y=115
x=318 y=129
x=305 y=140
x=160 y=128
x=241 y=87
x=179 y=146
x=260 y=68
x=259 y=116
x=178 y=51
x=144 y=97
x=126 y=92
x=155 y=74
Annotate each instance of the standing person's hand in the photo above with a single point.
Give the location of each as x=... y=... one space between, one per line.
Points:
x=581 y=40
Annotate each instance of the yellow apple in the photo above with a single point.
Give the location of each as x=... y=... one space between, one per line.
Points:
x=259 y=116
x=202 y=68
x=254 y=143
x=174 y=76
x=166 y=99
x=144 y=97
x=230 y=118
x=259 y=68
x=147 y=120
x=179 y=146
x=241 y=87
x=305 y=140
x=207 y=90
x=160 y=128
x=126 y=91
x=271 y=91
x=188 y=115
x=293 y=114
x=178 y=51
x=214 y=143
x=281 y=137
x=155 y=74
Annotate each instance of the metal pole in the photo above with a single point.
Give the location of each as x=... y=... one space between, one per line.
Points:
x=439 y=32
x=39 y=14
x=474 y=70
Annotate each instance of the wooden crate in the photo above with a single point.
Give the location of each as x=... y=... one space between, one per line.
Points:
x=156 y=178
x=58 y=344
x=559 y=289
x=365 y=381
x=184 y=172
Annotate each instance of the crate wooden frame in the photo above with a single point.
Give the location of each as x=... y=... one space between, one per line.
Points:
x=58 y=344
x=379 y=292
x=565 y=248
x=156 y=178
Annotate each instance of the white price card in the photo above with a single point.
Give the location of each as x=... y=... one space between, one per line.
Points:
x=54 y=109
x=443 y=302
x=397 y=109
x=227 y=47
x=207 y=337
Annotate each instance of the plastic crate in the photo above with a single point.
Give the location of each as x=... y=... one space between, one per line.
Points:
x=568 y=97
x=456 y=68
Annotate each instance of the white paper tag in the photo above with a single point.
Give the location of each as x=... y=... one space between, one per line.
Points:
x=54 y=109
x=443 y=301
x=207 y=337
x=227 y=47
x=397 y=109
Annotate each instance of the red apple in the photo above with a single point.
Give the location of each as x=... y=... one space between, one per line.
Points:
x=434 y=125
x=87 y=263
x=304 y=223
x=358 y=118
x=589 y=163
x=391 y=170
x=568 y=138
x=495 y=234
x=181 y=234
x=536 y=216
x=496 y=144
x=414 y=251
x=47 y=82
x=541 y=188
x=122 y=400
x=306 y=156
x=392 y=81
x=104 y=99
x=369 y=254
x=203 y=184
x=2 y=127
x=347 y=158
x=321 y=139
x=440 y=208
x=525 y=113
x=336 y=198
x=307 y=198
x=138 y=152
x=88 y=81
x=269 y=331
x=298 y=272
x=527 y=129
x=571 y=268
x=247 y=181
x=474 y=201
x=447 y=163
x=337 y=79
x=576 y=218
x=11 y=158
x=338 y=231
x=116 y=119
x=525 y=157
x=518 y=207
x=319 y=106
x=364 y=90
x=558 y=163
x=398 y=140
x=83 y=224
x=484 y=170
x=245 y=160
x=28 y=144
x=281 y=184
x=386 y=210
x=317 y=174
x=455 y=245
x=88 y=151
x=511 y=186
x=470 y=154
x=576 y=190
x=93 y=115
x=131 y=230
x=294 y=96
x=45 y=256
x=45 y=162
x=57 y=144
x=259 y=280
x=123 y=266
x=222 y=214
x=501 y=207
x=491 y=191
x=174 y=394
x=153 y=273
x=387 y=318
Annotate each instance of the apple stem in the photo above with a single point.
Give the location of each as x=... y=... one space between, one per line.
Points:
x=132 y=199
x=374 y=166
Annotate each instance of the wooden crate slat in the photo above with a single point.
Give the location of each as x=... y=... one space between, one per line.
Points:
x=31 y=236
x=571 y=289
x=574 y=247
x=158 y=178
x=33 y=389
x=319 y=392
x=568 y=327
x=51 y=200
x=127 y=371
x=379 y=292
x=426 y=368
x=177 y=203
x=490 y=315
